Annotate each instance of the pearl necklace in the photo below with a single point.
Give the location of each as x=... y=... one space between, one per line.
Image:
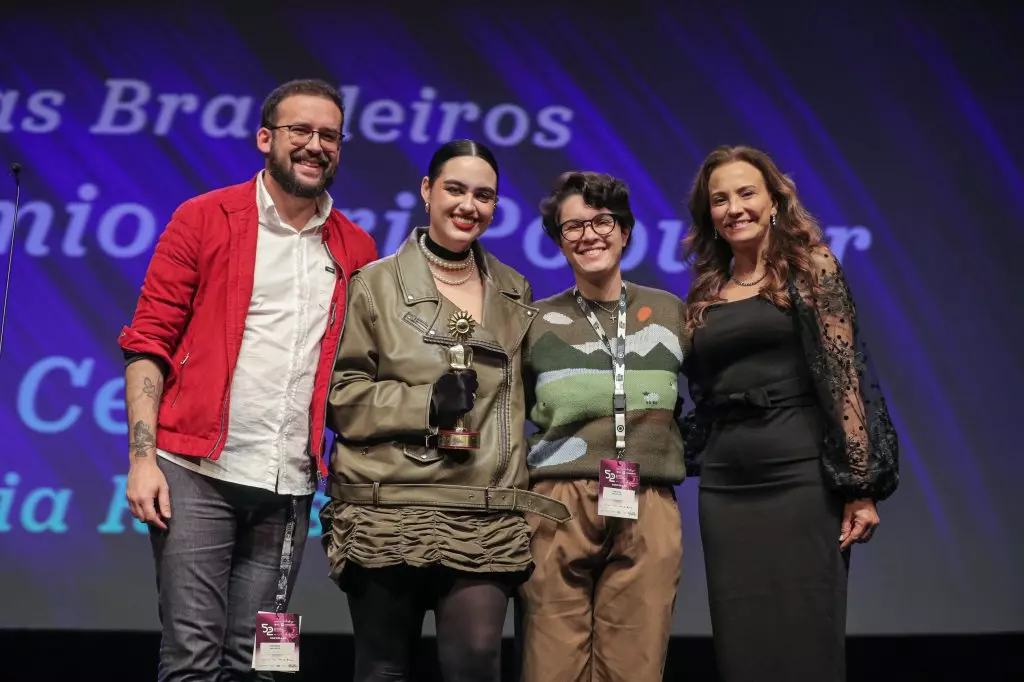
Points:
x=444 y=263
x=455 y=282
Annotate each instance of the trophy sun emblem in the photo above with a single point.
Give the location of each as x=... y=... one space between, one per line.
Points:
x=461 y=325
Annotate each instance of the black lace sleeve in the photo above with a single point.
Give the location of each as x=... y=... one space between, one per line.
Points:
x=694 y=425
x=861 y=453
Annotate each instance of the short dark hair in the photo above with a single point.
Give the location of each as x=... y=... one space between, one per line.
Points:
x=599 y=190
x=457 y=148
x=303 y=86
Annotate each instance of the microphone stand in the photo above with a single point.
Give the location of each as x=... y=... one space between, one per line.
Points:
x=16 y=172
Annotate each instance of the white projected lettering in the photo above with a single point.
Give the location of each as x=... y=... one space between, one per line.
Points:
x=121 y=230
x=38 y=112
x=57 y=373
x=132 y=106
x=429 y=120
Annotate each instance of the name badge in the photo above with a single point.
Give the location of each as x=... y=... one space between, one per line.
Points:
x=277 y=642
x=617 y=489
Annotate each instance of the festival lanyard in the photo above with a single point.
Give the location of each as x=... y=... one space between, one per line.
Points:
x=618 y=363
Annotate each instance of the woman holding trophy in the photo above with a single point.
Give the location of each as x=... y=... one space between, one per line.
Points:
x=428 y=473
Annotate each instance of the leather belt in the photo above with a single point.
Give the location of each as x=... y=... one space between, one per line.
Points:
x=438 y=496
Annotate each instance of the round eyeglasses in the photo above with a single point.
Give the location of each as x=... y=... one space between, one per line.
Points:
x=601 y=224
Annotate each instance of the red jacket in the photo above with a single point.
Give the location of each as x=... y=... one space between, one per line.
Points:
x=192 y=309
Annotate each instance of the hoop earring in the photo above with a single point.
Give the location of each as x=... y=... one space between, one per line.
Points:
x=426 y=208
x=771 y=220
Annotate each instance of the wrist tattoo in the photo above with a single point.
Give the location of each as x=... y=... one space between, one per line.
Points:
x=142 y=439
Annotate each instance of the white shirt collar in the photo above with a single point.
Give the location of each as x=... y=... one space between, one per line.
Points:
x=268 y=211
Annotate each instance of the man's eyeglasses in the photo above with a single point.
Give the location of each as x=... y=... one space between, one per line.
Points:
x=300 y=135
x=602 y=224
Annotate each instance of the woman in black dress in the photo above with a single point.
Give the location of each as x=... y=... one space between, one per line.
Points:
x=791 y=437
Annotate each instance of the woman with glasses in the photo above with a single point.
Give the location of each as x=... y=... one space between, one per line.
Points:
x=601 y=365
x=428 y=473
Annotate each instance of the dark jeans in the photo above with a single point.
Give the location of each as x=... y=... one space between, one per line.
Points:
x=388 y=605
x=223 y=557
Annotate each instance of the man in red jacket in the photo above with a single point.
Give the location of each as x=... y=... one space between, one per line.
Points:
x=228 y=360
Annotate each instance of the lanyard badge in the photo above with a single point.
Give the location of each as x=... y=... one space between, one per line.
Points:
x=619 y=479
x=276 y=644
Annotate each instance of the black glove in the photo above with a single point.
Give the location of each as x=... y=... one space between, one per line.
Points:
x=453 y=395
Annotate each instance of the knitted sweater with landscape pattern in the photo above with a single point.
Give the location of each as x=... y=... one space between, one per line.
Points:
x=569 y=386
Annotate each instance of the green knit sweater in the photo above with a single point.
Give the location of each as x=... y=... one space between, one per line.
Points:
x=569 y=387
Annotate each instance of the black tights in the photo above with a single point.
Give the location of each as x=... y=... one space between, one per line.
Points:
x=388 y=605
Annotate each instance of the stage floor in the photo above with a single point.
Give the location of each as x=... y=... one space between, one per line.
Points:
x=36 y=656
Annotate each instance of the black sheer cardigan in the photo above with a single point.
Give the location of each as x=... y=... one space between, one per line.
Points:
x=860 y=450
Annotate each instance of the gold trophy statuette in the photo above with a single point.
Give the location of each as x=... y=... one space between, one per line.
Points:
x=460 y=357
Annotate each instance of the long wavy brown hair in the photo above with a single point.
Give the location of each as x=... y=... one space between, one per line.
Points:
x=790 y=241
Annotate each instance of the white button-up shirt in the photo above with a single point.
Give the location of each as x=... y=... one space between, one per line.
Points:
x=272 y=388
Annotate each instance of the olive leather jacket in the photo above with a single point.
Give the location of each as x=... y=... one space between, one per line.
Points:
x=394 y=346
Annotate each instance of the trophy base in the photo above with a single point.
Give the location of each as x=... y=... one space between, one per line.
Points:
x=458 y=440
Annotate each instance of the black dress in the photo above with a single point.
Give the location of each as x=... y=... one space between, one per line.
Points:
x=769 y=524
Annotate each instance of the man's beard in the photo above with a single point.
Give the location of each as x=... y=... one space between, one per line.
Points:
x=289 y=182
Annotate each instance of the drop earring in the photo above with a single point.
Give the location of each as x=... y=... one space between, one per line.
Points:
x=426 y=207
x=771 y=220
